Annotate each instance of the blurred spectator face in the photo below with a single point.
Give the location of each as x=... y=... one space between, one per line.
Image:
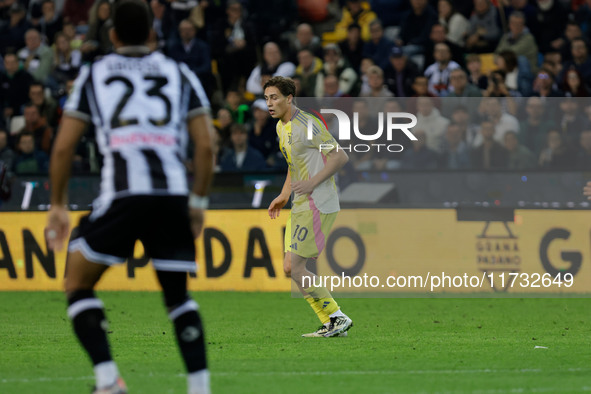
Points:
x=260 y=115
x=421 y=139
x=392 y=106
x=418 y=5
x=331 y=85
x=474 y=66
x=573 y=80
x=331 y=56
x=186 y=31
x=3 y=139
x=272 y=54
x=31 y=115
x=535 y=108
x=69 y=30
x=437 y=33
x=424 y=106
x=48 y=10
x=62 y=44
x=481 y=6
x=544 y=80
x=569 y=107
x=11 y=64
x=157 y=8
x=579 y=50
x=17 y=15
x=366 y=63
x=442 y=53
x=516 y=25
x=460 y=117
x=572 y=31
x=487 y=130
x=26 y=144
x=234 y=11
x=360 y=107
x=511 y=141
x=420 y=86
x=444 y=9
x=375 y=79
x=458 y=80
x=493 y=107
x=32 y=40
x=518 y=4
x=586 y=140
x=554 y=140
x=304 y=34
x=36 y=94
x=354 y=34
x=104 y=11
x=224 y=118
x=398 y=62
x=354 y=6
x=453 y=135
x=233 y=99
x=305 y=59
x=239 y=138
x=376 y=31
x=500 y=63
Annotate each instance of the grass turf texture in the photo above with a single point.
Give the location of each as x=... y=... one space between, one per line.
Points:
x=396 y=345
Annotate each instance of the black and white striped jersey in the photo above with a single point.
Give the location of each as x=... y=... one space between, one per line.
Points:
x=140 y=107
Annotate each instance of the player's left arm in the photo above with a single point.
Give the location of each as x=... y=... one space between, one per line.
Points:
x=335 y=160
x=60 y=166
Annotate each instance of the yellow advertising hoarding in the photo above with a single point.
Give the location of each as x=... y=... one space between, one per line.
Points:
x=243 y=250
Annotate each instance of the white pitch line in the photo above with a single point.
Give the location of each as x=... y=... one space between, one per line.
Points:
x=322 y=373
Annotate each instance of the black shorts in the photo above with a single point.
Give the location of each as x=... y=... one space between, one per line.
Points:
x=161 y=223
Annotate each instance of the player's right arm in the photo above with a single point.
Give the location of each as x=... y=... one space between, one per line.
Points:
x=279 y=202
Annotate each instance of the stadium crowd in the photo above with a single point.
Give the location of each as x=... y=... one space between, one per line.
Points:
x=493 y=85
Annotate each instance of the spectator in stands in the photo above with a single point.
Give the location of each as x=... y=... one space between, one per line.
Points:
x=523 y=6
x=548 y=24
x=222 y=123
x=352 y=47
x=456 y=154
x=36 y=57
x=390 y=11
x=334 y=64
x=438 y=73
x=76 y=40
x=461 y=118
x=497 y=88
x=97 y=42
x=420 y=87
x=29 y=160
x=13 y=32
x=51 y=22
x=14 y=86
x=582 y=18
x=533 y=130
x=242 y=157
x=46 y=105
x=271 y=65
x=490 y=154
x=6 y=154
x=366 y=63
x=432 y=122
x=376 y=83
x=580 y=60
x=416 y=27
x=66 y=61
x=262 y=133
x=162 y=25
x=563 y=44
x=518 y=77
x=355 y=11
x=583 y=158
x=307 y=70
x=420 y=157
x=240 y=112
x=233 y=46
x=544 y=85
x=438 y=36
x=77 y=11
x=400 y=73
x=570 y=122
x=572 y=84
x=271 y=18
x=331 y=87
x=378 y=47
x=37 y=126
x=460 y=87
x=492 y=110
x=484 y=32
x=475 y=76
x=304 y=39
x=366 y=125
x=192 y=51
x=555 y=155
x=519 y=40
x=519 y=157
x=456 y=24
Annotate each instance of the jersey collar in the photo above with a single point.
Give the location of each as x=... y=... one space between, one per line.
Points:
x=133 y=50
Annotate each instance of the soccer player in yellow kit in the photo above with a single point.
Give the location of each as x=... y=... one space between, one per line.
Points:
x=312 y=165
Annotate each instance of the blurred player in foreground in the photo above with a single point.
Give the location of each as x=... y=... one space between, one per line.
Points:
x=144 y=107
x=315 y=204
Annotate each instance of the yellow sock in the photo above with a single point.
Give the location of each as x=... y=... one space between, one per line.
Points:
x=324 y=318
x=323 y=298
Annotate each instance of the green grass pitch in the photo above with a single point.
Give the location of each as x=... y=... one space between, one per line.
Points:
x=396 y=346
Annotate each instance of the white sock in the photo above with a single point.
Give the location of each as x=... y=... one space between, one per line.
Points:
x=337 y=313
x=106 y=374
x=198 y=382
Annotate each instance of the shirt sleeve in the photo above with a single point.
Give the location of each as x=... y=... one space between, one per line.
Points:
x=77 y=104
x=321 y=138
x=198 y=103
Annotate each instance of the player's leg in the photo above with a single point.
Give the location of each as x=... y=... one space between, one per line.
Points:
x=88 y=319
x=183 y=311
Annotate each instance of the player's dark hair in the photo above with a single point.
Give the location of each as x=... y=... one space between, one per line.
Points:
x=131 y=19
x=285 y=85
